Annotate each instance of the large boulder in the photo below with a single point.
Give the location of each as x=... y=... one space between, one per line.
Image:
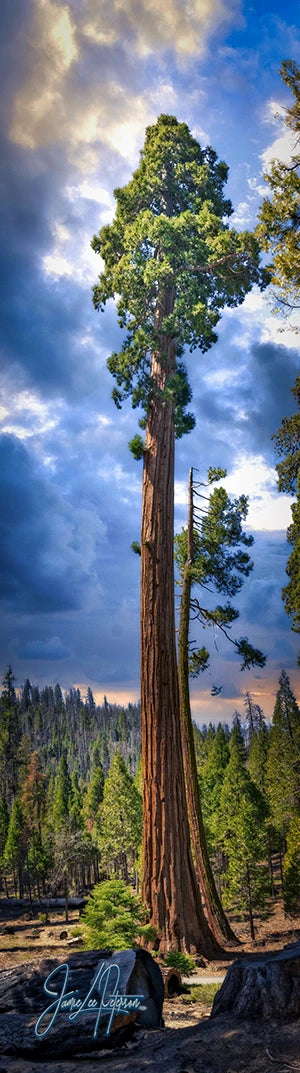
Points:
x=78 y=1006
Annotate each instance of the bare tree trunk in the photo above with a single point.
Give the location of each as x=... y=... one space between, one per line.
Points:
x=66 y=900
x=213 y=906
x=170 y=888
x=252 y=932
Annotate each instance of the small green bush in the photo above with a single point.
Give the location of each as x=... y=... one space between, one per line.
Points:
x=43 y=919
x=112 y=917
x=180 y=961
x=149 y=933
x=203 y=993
x=77 y=931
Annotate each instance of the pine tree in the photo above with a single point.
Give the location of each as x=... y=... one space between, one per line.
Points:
x=287 y=442
x=4 y=824
x=211 y=782
x=243 y=812
x=75 y=803
x=15 y=847
x=291 y=868
x=94 y=796
x=279 y=227
x=62 y=794
x=283 y=764
x=166 y=256
x=9 y=738
x=120 y=819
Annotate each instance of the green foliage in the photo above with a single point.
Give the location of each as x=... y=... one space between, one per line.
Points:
x=94 y=796
x=211 y=782
x=15 y=847
x=62 y=794
x=198 y=661
x=283 y=762
x=287 y=442
x=148 y=933
x=244 y=834
x=258 y=756
x=169 y=235
x=218 y=559
x=182 y=962
x=136 y=547
x=112 y=917
x=278 y=230
x=137 y=447
x=291 y=869
x=120 y=818
x=202 y=994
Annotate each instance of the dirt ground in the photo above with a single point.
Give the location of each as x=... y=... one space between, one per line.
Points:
x=190 y=1041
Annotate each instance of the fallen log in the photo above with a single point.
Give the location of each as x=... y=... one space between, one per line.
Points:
x=93 y=999
x=264 y=987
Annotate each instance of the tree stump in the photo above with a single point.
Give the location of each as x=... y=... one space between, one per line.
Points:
x=23 y=1001
x=172 y=982
x=264 y=987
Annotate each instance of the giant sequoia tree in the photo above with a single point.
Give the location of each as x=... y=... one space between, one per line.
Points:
x=172 y=263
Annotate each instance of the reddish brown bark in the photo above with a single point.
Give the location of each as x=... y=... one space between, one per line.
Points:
x=213 y=906
x=170 y=887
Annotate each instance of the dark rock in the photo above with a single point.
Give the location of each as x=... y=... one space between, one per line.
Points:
x=63 y=935
x=23 y=1001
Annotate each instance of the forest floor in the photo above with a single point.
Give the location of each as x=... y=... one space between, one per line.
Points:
x=190 y=1042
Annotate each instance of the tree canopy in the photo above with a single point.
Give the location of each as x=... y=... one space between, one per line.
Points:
x=170 y=231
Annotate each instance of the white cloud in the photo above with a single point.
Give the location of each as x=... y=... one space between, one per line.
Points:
x=26 y=416
x=253 y=477
x=49 y=106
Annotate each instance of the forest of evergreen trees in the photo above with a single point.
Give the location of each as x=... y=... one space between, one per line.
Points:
x=71 y=804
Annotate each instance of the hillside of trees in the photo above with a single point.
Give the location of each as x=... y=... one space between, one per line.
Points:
x=71 y=796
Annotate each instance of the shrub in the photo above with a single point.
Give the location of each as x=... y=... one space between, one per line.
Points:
x=112 y=917
x=291 y=869
x=180 y=961
x=203 y=993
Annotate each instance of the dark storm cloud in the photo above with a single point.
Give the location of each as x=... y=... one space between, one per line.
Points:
x=45 y=650
x=43 y=320
x=242 y=410
x=43 y=565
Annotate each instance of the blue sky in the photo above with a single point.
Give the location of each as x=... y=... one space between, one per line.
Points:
x=81 y=80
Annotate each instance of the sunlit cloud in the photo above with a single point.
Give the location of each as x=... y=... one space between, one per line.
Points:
x=253 y=477
x=183 y=27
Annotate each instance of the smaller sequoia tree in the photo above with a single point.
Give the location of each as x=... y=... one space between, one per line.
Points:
x=209 y=552
x=172 y=263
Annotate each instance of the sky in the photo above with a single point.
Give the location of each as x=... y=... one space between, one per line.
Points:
x=81 y=81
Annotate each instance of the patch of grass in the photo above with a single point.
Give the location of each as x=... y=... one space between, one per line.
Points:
x=77 y=931
x=202 y=993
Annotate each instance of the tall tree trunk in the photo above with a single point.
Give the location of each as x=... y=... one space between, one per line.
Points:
x=170 y=888
x=213 y=906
